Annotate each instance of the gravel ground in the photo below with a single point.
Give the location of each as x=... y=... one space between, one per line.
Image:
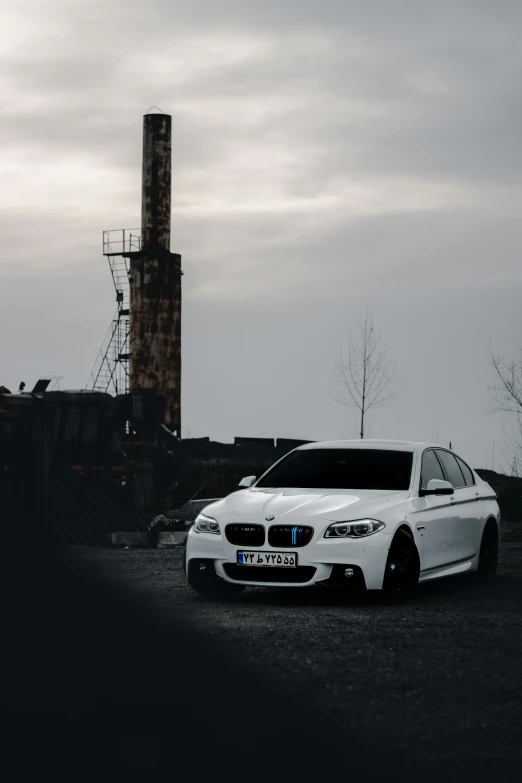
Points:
x=438 y=677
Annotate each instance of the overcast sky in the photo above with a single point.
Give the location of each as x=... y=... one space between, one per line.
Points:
x=326 y=155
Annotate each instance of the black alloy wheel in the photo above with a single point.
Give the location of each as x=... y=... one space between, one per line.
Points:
x=488 y=557
x=401 y=574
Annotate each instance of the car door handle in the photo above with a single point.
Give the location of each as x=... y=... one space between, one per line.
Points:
x=452 y=501
x=421 y=527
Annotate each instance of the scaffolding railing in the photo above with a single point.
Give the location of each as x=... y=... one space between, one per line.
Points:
x=121 y=240
x=111 y=368
x=110 y=372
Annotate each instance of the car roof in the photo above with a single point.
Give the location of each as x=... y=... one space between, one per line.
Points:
x=367 y=443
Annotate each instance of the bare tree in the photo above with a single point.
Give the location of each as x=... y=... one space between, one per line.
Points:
x=507 y=394
x=507 y=389
x=363 y=377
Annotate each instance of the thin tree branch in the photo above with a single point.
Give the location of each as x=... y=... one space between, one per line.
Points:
x=364 y=378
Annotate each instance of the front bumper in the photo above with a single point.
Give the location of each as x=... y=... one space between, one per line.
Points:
x=317 y=561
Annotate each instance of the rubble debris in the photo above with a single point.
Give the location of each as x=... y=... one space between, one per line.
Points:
x=171 y=538
x=130 y=540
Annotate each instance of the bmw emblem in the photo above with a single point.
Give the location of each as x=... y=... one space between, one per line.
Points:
x=269 y=518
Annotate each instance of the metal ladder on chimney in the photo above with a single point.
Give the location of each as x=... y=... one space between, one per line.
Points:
x=111 y=369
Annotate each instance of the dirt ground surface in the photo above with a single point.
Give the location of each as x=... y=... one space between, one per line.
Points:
x=437 y=677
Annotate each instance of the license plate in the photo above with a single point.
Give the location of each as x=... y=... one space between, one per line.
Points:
x=279 y=559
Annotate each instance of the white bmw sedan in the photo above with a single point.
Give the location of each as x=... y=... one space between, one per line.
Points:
x=367 y=514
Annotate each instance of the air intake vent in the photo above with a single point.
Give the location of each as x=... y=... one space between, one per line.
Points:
x=242 y=573
x=245 y=535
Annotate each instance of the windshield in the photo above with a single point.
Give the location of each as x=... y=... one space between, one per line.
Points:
x=341 y=469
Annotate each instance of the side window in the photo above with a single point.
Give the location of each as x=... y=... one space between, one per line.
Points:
x=430 y=468
x=468 y=475
x=451 y=468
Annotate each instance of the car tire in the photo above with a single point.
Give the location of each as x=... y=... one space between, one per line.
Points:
x=401 y=574
x=488 y=557
x=215 y=589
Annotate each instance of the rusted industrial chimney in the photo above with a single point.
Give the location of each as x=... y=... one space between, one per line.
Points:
x=155 y=280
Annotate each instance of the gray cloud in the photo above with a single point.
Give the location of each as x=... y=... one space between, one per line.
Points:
x=325 y=154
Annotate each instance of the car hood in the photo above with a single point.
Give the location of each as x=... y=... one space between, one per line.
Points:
x=330 y=504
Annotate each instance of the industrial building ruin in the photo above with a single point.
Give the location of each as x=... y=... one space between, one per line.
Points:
x=110 y=457
x=143 y=353
x=155 y=281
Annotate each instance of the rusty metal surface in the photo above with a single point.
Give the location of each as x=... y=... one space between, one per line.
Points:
x=156 y=182
x=155 y=331
x=155 y=281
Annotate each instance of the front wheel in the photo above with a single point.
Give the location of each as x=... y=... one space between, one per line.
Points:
x=488 y=557
x=401 y=574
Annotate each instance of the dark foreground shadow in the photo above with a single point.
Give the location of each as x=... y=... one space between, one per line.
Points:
x=93 y=684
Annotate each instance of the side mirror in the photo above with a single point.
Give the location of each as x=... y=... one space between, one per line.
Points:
x=247 y=481
x=438 y=487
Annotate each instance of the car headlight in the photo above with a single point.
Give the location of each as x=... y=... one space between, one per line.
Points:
x=205 y=524
x=357 y=529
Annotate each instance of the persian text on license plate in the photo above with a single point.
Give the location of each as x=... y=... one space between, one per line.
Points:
x=279 y=559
